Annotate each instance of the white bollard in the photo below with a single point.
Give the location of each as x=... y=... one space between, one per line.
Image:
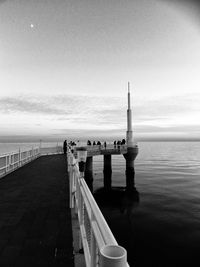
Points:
x=113 y=256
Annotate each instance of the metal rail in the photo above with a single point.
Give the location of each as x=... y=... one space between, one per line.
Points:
x=14 y=160
x=99 y=244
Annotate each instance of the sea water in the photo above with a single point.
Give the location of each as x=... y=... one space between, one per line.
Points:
x=162 y=227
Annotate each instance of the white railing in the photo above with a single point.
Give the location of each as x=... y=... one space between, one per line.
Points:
x=99 y=244
x=14 y=160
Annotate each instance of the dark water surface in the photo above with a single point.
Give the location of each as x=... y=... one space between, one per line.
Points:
x=161 y=225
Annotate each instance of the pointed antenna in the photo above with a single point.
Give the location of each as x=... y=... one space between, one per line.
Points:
x=129 y=101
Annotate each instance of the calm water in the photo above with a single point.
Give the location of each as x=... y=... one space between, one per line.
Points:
x=163 y=227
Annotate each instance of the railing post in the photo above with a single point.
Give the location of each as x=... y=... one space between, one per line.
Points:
x=40 y=146
x=71 y=181
x=81 y=212
x=77 y=193
x=19 y=158
x=10 y=161
x=81 y=204
x=93 y=255
x=113 y=256
x=6 y=164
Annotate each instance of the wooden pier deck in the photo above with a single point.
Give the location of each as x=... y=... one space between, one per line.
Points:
x=35 y=218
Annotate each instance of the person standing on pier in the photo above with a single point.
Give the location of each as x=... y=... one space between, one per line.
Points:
x=115 y=142
x=105 y=144
x=65 y=147
x=89 y=143
x=118 y=144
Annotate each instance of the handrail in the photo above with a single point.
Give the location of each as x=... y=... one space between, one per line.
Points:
x=94 y=230
x=14 y=160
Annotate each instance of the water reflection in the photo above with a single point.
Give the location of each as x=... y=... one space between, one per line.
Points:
x=117 y=198
x=118 y=206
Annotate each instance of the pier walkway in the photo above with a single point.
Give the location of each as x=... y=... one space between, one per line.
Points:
x=35 y=218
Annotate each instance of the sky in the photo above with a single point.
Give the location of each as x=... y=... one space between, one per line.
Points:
x=65 y=65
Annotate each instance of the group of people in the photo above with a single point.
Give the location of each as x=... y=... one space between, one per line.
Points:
x=98 y=143
x=89 y=143
x=70 y=144
x=117 y=144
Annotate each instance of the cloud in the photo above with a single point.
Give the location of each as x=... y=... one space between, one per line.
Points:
x=178 y=128
x=90 y=115
x=101 y=109
x=86 y=111
x=167 y=109
x=14 y=104
x=2 y=1
x=185 y=3
x=189 y=7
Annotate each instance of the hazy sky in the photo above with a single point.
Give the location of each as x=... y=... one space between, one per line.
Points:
x=64 y=67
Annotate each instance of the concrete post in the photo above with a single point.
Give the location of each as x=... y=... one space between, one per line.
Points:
x=89 y=173
x=130 y=170
x=107 y=171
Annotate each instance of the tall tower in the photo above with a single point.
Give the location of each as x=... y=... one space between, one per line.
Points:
x=132 y=150
x=129 y=132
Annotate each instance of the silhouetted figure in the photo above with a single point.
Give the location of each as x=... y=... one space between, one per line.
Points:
x=88 y=143
x=65 y=147
x=115 y=144
x=123 y=142
x=118 y=144
x=94 y=143
x=105 y=144
x=99 y=143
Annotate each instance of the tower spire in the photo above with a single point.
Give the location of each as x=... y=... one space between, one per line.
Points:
x=129 y=133
x=129 y=101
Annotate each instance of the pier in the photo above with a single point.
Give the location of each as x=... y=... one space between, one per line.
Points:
x=44 y=194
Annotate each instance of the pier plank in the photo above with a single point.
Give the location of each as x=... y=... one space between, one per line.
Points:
x=35 y=219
